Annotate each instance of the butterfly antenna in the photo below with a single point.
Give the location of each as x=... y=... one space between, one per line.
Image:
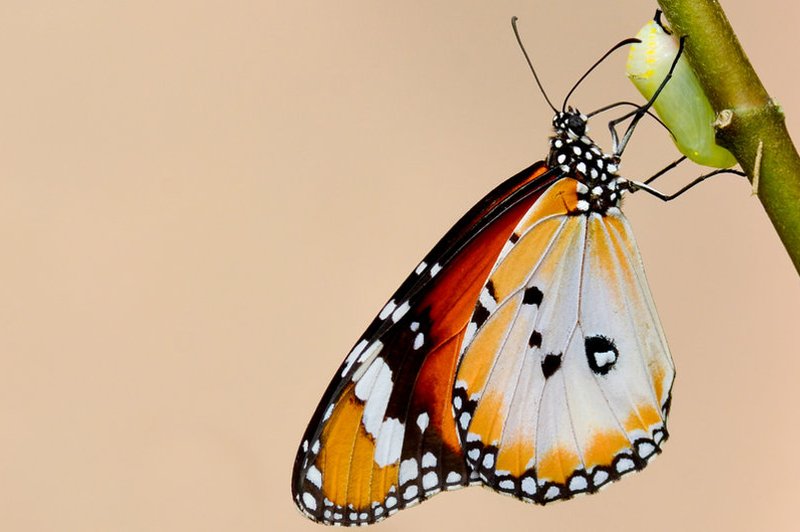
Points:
x=596 y=64
x=530 y=64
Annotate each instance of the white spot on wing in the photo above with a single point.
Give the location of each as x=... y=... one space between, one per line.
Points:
x=487 y=300
x=408 y=470
x=422 y=421
x=529 y=486
x=351 y=358
x=375 y=387
x=453 y=477
x=419 y=339
x=577 y=483
x=314 y=476
x=309 y=501
x=400 y=311
x=421 y=268
x=428 y=459
x=430 y=480
x=435 y=269
x=389 y=442
x=388 y=309
x=411 y=492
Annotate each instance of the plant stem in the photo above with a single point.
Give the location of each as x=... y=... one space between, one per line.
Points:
x=756 y=124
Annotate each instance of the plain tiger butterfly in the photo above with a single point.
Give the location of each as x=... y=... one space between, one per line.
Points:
x=523 y=353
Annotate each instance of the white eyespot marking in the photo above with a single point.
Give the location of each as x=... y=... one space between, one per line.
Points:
x=421 y=268
x=435 y=269
x=488 y=461
x=388 y=309
x=577 y=150
x=309 y=501
x=529 y=486
x=471 y=436
x=561 y=158
x=582 y=205
x=414 y=326
x=593 y=173
x=328 y=514
x=353 y=516
x=422 y=421
x=588 y=155
x=612 y=168
x=305 y=446
x=419 y=339
x=624 y=464
x=378 y=511
x=314 y=476
x=391 y=502
x=389 y=442
x=558 y=143
x=600 y=477
x=658 y=437
x=429 y=459
x=408 y=471
x=351 y=358
x=474 y=454
x=315 y=447
x=400 y=311
x=328 y=412
x=597 y=191
x=578 y=483
x=604 y=358
x=600 y=163
x=581 y=188
x=453 y=477
x=612 y=185
x=411 y=492
x=430 y=480
x=581 y=167
x=337 y=516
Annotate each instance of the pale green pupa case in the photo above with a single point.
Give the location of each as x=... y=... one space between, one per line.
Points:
x=682 y=105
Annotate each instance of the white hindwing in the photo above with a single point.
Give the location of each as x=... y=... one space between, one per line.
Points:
x=564 y=378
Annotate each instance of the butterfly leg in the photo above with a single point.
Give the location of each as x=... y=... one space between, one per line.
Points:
x=633 y=186
x=664 y=170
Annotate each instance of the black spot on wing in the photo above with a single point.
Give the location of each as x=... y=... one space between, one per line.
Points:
x=550 y=364
x=535 y=340
x=480 y=315
x=532 y=296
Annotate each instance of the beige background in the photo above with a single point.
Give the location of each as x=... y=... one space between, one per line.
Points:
x=202 y=205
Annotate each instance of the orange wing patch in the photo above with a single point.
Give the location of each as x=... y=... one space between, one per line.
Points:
x=350 y=476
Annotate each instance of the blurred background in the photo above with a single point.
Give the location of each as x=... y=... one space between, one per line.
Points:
x=203 y=204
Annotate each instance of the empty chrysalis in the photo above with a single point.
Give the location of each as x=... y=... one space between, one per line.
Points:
x=682 y=104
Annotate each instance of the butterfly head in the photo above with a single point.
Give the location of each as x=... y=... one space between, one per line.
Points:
x=574 y=154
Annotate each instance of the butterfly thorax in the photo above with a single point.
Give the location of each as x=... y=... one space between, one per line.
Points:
x=574 y=154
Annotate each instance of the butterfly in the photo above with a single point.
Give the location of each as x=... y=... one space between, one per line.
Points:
x=523 y=353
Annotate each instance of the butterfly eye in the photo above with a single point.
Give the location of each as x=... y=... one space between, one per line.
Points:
x=682 y=104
